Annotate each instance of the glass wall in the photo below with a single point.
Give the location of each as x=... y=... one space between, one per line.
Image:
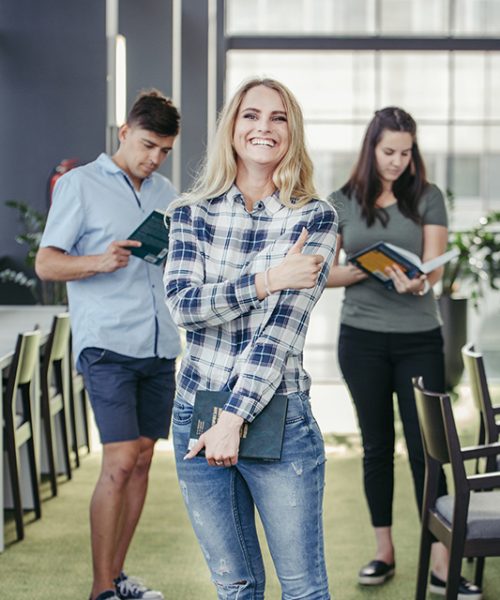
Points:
x=453 y=94
x=363 y=17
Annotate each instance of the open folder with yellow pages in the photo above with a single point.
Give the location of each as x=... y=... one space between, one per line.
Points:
x=376 y=258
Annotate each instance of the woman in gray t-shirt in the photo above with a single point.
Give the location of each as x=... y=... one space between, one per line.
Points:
x=387 y=336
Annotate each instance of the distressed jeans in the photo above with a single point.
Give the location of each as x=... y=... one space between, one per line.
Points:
x=288 y=495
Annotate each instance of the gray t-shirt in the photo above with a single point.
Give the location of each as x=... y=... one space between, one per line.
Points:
x=368 y=304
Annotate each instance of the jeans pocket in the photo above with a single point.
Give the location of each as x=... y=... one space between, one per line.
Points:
x=296 y=411
x=182 y=414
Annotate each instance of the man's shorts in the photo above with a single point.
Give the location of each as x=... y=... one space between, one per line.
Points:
x=130 y=397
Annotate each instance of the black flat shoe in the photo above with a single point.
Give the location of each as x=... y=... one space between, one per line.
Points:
x=466 y=589
x=376 y=572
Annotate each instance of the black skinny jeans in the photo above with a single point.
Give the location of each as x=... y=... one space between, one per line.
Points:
x=374 y=366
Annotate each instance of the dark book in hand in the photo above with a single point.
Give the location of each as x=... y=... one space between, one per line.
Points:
x=153 y=235
x=376 y=258
x=260 y=439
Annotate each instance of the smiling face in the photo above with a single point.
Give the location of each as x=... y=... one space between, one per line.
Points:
x=260 y=135
x=393 y=154
x=141 y=152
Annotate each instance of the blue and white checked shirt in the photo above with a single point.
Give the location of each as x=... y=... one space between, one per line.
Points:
x=235 y=341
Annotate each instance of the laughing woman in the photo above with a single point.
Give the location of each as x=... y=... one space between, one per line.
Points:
x=251 y=246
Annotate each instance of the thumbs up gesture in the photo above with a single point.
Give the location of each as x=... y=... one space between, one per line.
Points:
x=297 y=271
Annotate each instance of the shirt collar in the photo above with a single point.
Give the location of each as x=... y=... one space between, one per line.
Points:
x=109 y=165
x=272 y=203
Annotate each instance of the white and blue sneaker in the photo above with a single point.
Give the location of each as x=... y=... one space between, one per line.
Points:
x=131 y=588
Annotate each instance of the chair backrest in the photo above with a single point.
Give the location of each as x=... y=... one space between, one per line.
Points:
x=56 y=347
x=474 y=365
x=431 y=422
x=439 y=432
x=59 y=337
x=25 y=358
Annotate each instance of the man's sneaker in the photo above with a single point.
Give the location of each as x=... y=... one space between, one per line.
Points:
x=107 y=595
x=466 y=589
x=129 y=588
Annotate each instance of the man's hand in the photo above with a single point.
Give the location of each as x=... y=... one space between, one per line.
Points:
x=116 y=256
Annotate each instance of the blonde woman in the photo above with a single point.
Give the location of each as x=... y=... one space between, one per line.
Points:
x=250 y=250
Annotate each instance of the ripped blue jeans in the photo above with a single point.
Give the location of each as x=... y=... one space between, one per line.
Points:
x=288 y=495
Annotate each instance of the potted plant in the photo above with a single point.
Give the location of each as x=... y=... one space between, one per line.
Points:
x=33 y=225
x=465 y=278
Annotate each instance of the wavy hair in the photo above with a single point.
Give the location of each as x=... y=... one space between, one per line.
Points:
x=293 y=176
x=364 y=183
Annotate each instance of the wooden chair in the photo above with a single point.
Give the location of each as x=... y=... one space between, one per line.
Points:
x=18 y=426
x=79 y=414
x=468 y=522
x=53 y=397
x=489 y=428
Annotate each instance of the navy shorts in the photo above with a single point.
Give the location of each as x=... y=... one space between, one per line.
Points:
x=130 y=397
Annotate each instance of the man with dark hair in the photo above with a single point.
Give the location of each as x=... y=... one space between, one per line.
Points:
x=124 y=339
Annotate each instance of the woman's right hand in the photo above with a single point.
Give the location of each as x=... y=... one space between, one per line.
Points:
x=297 y=271
x=221 y=441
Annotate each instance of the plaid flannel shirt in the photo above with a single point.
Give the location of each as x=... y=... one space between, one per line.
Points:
x=235 y=341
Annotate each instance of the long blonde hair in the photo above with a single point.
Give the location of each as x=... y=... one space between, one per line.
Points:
x=293 y=177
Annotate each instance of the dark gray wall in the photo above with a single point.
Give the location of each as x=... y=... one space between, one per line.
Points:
x=52 y=97
x=147 y=26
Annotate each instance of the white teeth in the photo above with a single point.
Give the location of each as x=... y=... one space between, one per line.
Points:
x=260 y=142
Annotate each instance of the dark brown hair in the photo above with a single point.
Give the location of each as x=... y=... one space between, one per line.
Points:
x=155 y=112
x=364 y=183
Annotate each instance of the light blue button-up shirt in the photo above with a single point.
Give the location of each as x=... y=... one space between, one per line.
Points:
x=123 y=311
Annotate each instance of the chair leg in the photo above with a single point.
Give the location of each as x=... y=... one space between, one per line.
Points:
x=85 y=414
x=30 y=443
x=478 y=579
x=13 y=460
x=454 y=569
x=423 y=563
x=65 y=440
x=58 y=373
x=49 y=441
x=72 y=421
x=34 y=478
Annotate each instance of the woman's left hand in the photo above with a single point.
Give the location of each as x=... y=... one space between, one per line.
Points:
x=403 y=285
x=221 y=441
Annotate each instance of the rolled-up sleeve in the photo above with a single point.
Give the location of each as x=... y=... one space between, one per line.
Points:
x=193 y=303
x=284 y=332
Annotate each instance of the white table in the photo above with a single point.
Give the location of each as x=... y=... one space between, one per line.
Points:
x=14 y=320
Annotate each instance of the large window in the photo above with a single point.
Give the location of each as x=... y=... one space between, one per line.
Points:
x=363 y=17
x=453 y=94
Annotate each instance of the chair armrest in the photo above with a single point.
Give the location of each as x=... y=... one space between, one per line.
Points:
x=485 y=481
x=483 y=451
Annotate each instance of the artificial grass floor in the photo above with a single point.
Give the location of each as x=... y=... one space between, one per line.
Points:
x=53 y=561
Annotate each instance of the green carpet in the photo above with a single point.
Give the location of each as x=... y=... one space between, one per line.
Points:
x=54 y=559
